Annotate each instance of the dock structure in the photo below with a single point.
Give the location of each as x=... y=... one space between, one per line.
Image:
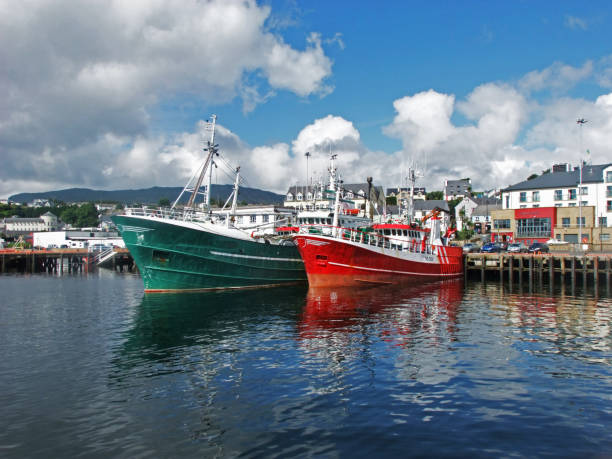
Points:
x=585 y=268
x=58 y=260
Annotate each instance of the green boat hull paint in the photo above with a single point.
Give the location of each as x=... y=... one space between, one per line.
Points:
x=172 y=257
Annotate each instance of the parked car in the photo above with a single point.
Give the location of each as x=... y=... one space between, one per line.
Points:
x=517 y=247
x=491 y=247
x=470 y=248
x=538 y=247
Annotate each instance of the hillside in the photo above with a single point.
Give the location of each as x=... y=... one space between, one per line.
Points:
x=147 y=195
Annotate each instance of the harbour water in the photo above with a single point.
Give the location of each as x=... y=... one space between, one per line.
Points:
x=92 y=367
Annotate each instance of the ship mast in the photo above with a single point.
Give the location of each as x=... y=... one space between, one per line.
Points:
x=410 y=209
x=195 y=190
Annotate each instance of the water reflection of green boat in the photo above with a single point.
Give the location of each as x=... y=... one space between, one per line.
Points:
x=165 y=323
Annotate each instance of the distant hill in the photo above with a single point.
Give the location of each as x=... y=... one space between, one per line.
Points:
x=148 y=195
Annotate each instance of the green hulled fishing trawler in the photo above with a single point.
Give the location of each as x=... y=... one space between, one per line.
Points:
x=193 y=249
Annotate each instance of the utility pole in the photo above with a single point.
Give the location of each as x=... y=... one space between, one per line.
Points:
x=581 y=122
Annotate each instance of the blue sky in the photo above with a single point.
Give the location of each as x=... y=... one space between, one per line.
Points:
x=113 y=97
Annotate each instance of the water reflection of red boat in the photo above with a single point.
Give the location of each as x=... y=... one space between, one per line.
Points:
x=393 y=311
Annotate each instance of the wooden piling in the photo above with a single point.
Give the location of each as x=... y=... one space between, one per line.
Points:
x=483 y=262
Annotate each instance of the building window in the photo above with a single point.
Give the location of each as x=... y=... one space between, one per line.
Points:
x=609 y=176
x=266 y=218
x=571 y=194
x=536 y=205
x=558 y=195
x=565 y=221
x=501 y=224
x=580 y=221
x=253 y=218
x=535 y=196
x=507 y=201
x=609 y=192
x=299 y=196
x=609 y=206
x=289 y=197
x=523 y=196
x=603 y=221
x=533 y=227
x=309 y=196
x=523 y=207
x=239 y=219
x=604 y=237
x=584 y=191
x=584 y=203
x=572 y=204
x=558 y=205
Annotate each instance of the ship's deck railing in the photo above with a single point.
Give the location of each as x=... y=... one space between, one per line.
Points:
x=168 y=213
x=371 y=238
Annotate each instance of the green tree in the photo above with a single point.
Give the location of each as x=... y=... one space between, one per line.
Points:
x=451 y=207
x=438 y=195
x=464 y=234
x=163 y=202
x=69 y=215
x=532 y=176
x=87 y=215
x=391 y=200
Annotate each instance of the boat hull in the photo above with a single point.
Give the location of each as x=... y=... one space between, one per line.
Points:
x=176 y=256
x=331 y=262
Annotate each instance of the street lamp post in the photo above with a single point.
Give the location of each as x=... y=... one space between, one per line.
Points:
x=581 y=122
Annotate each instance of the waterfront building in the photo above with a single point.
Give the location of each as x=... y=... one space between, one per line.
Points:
x=76 y=239
x=454 y=189
x=39 y=203
x=104 y=206
x=423 y=208
x=560 y=205
x=477 y=211
x=314 y=198
x=262 y=218
x=16 y=226
x=403 y=193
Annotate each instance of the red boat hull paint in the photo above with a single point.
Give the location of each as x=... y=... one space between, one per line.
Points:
x=333 y=262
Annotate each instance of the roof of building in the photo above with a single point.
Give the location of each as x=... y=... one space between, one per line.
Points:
x=486 y=200
x=485 y=210
x=23 y=220
x=392 y=209
x=590 y=174
x=354 y=187
x=431 y=204
x=458 y=183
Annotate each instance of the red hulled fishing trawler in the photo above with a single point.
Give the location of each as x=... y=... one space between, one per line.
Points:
x=384 y=253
